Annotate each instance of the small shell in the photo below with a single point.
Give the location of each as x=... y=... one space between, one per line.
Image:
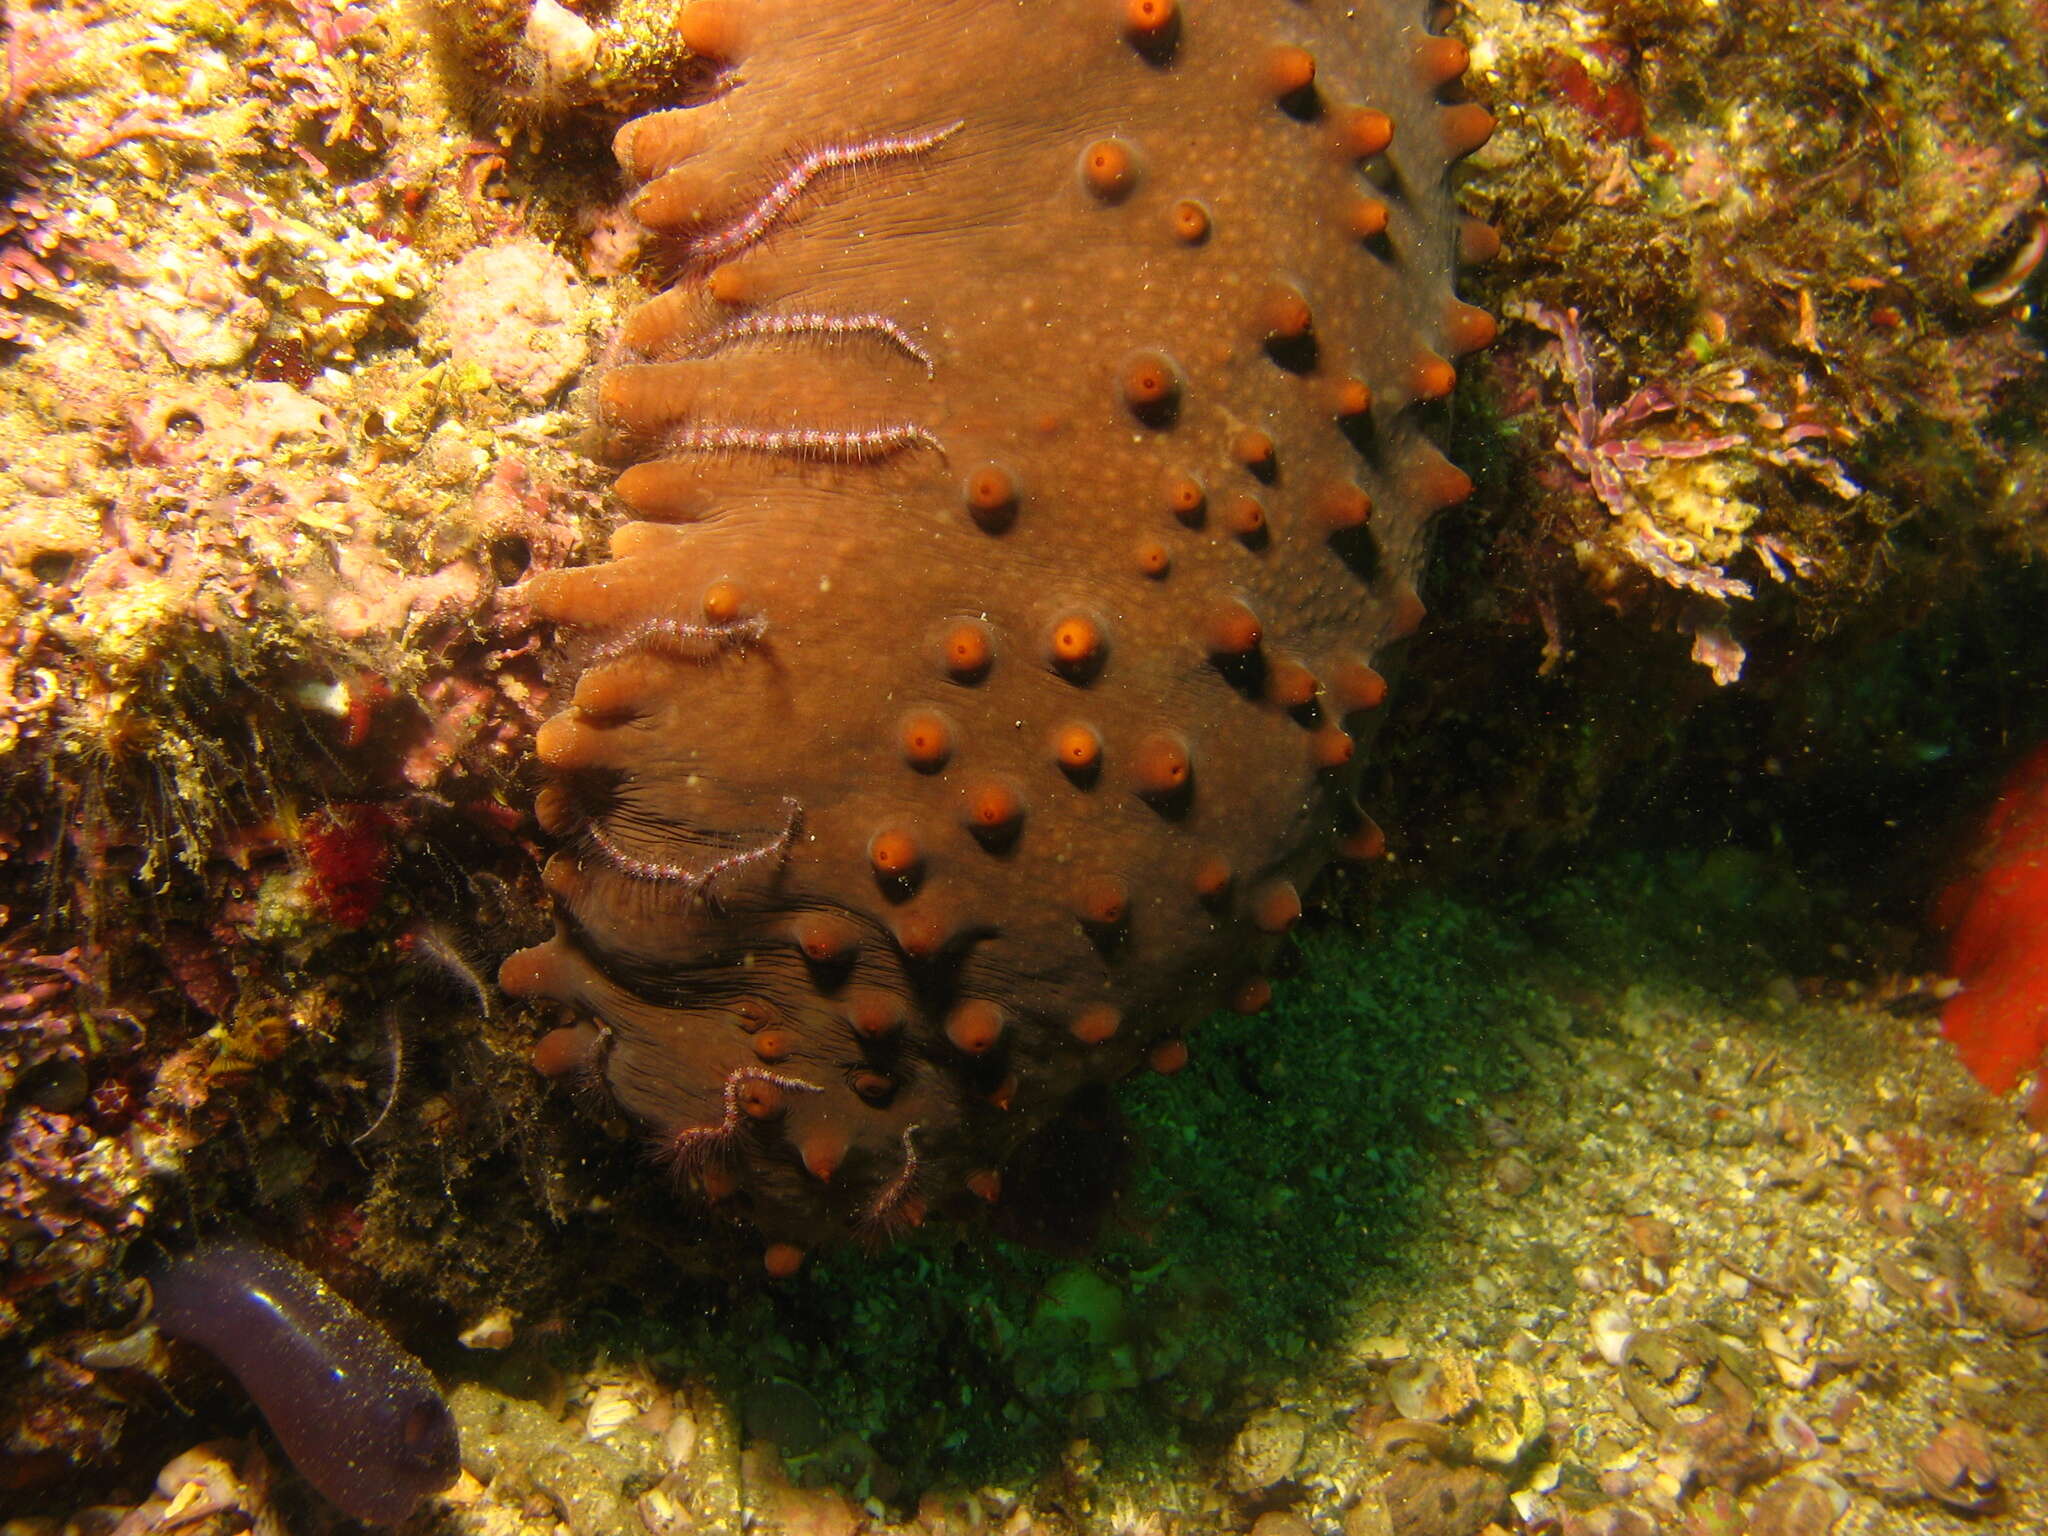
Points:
x=494 y=1330
x=1409 y=1439
x=1266 y=1449
x=1510 y=1419
x=1434 y=1390
x=1612 y=1333
x=611 y=1409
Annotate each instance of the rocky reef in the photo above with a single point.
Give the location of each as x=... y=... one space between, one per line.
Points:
x=296 y=300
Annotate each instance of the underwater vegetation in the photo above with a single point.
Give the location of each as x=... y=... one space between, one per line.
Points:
x=1281 y=1171
x=1812 y=388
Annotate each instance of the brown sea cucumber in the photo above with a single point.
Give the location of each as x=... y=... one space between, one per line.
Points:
x=1030 y=464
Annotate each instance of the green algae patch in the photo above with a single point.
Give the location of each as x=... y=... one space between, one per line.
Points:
x=1293 y=1158
x=1280 y=1181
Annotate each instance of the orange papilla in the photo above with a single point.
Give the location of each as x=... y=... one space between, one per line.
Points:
x=1150 y=379
x=1077 y=746
x=1253 y=449
x=1467 y=328
x=967 y=651
x=1290 y=684
x=975 y=1026
x=1160 y=763
x=894 y=854
x=1363 y=843
x=562 y=1051
x=555 y=809
x=1246 y=516
x=1431 y=377
x=721 y=1183
x=760 y=1100
x=722 y=602
x=711 y=30
x=1102 y=899
x=1190 y=221
x=1168 y=1057
x=1466 y=126
x=1350 y=397
x=1095 y=1023
x=826 y=940
x=993 y=806
x=1998 y=947
x=1076 y=642
x=1343 y=506
x=1234 y=630
x=921 y=935
x=991 y=495
x=822 y=1152
x=927 y=740
x=1277 y=907
x=990 y=486
x=1212 y=877
x=1149 y=17
x=1442 y=59
x=1109 y=169
x=1367 y=217
x=1285 y=312
x=876 y=1015
x=1333 y=747
x=1290 y=69
x=1478 y=242
x=1364 y=131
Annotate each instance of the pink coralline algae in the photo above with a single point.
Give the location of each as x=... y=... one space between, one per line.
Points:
x=1672 y=467
x=518 y=312
x=37 y=240
x=75 y=1167
x=38 y=43
x=40 y=240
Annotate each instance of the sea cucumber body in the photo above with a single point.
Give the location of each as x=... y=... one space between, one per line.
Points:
x=359 y=1417
x=1029 y=467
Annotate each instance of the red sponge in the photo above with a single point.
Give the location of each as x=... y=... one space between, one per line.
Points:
x=1998 y=922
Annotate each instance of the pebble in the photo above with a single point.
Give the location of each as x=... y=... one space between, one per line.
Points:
x=1266 y=1450
x=1420 y=1498
x=1382 y=1347
x=1513 y=1175
x=1653 y=1238
x=1798 y=1506
x=2018 y=1312
x=1434 y=1390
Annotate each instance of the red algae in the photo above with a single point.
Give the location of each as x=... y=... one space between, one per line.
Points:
x=348 y=854
x=1998 y=946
